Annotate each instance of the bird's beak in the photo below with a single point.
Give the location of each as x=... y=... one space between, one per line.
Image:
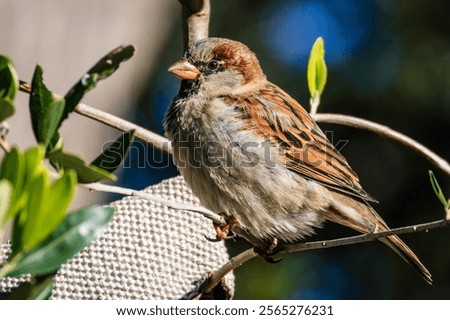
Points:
x=184 y=70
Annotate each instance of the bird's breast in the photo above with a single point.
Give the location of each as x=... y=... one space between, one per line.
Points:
x=234 y=171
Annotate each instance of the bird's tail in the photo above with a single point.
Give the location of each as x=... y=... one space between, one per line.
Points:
x=396 y=244
x=362 y=217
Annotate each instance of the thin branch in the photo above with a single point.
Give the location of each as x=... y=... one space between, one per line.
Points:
x=148 y=196
x=367 y=237
x=163 y=144
x=229 y=266
x=196 y=14
x=386 y=132
x=243 y=257
x=314 y=102
x=100 y=187
x=4 y=145
x=4 y=129
x=154 y=139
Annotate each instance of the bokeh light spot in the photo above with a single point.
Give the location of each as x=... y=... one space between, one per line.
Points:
x=290 y=29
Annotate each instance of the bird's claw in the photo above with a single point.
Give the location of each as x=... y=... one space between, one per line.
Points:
x=273 y=260
x=223 y=231
x=216 y=239
x=268 y=252
x=210 y=239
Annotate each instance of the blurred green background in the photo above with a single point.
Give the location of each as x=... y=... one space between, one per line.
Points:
x=389 y=62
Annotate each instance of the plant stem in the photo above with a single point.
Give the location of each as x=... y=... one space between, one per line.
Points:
x=4 y=145
x=385 y=132
x=148 y=196
x=154 y=139
x=243 y=257
x=196 y=14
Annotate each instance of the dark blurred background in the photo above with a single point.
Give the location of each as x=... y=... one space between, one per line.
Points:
x=389 y=62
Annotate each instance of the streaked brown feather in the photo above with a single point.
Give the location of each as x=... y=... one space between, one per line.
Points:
x=272 y=113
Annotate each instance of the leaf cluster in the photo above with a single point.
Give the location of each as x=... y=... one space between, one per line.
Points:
x=44 y=236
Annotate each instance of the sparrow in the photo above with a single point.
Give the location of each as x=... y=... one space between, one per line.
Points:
x=250 y=152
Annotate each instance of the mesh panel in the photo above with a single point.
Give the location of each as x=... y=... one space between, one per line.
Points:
x=6 y=284
x=148 y=251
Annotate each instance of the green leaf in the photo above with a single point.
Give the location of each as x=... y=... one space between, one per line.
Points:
x=6 y=108
x=34 y=211
x=9 y=81
x=46 y=110
x=25 y=190
x=112 y=157
x=56 y=144
x=6 y=190
x=9 y=85
x=57 y=203
x=12 y=167
x=13 y=170
x=317 y=69
x=47 y=207
x=76 y=232
x=438 y=191
x=85 y=173
x=101 y=70
x=33 y=162
x=38 y=205
x=42 y=290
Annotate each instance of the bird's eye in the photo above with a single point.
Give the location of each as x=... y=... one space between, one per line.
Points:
x=213 y=65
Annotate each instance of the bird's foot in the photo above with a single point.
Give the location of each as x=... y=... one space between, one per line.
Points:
x=224 y=232
x=267 y=253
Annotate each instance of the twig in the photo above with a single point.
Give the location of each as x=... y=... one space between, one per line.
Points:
x=163 y=144
x=100 y=187
x=113 y=121
x=365 y=237
x=148 y=136
x=4 y=129
x=229 y=266
x=196 y=15
x=4 y=145
x=169 y=203
x=386 y=132
x=314 y=102
x=243 y=257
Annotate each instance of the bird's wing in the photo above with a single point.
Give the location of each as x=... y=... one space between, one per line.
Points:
x=272 y=113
